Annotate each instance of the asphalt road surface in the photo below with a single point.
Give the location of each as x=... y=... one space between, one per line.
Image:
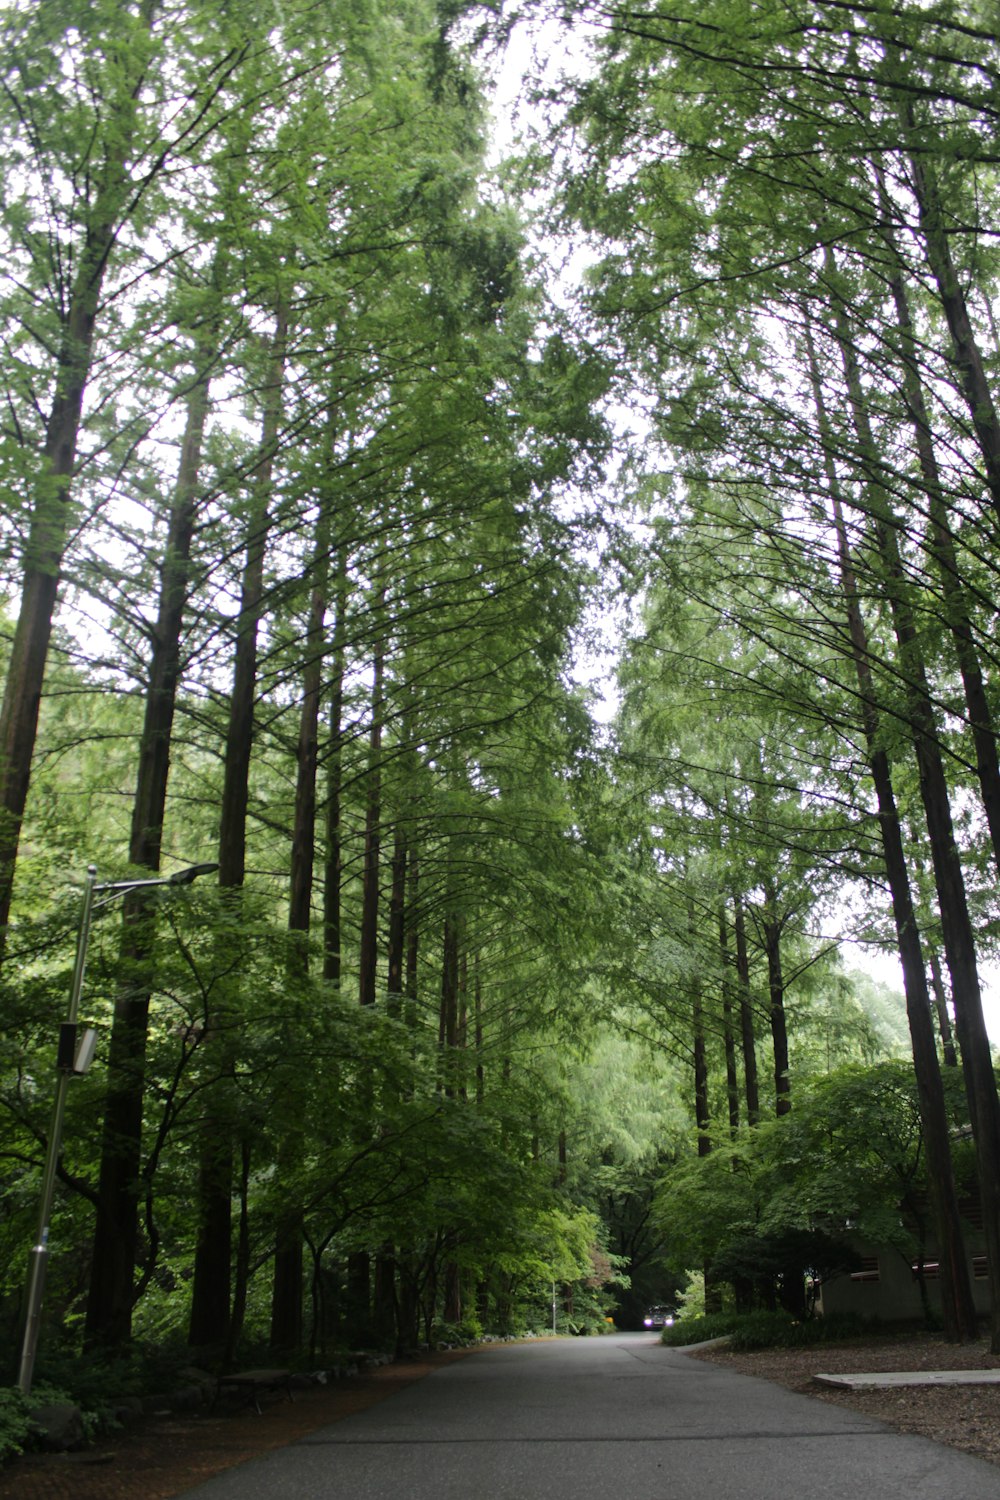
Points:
x=613 y=1418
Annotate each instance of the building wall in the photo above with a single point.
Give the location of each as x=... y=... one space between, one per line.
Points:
x=887 y=1288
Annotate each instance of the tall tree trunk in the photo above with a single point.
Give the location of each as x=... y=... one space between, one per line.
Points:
x=958 y=1309
x=109 y=1304
x=729 y=1037
x=943 y=550
x=968 y=358
x=359 y=1300
x=334 y=860
x=701 y=1108
x=746 y=1013
x=956 y=923
x=412 y=933
x=771 y=930
x=948 y=1052
x=397 y=923
x=211 y=1283
x=448 y=1029
x=48 y=527
x=286 y=1298
x=368 y=953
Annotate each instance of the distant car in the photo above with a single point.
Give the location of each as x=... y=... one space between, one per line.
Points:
x=658 y=1317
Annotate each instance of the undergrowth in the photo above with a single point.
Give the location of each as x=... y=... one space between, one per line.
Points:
x=767 y=1330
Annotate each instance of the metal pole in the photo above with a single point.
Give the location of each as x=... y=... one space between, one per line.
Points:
x=40 y=1250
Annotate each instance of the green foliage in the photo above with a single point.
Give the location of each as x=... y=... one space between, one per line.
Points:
x=399 y=500
x=769 y=1330
x=848 y=1153
x=784 y=1265
x=18 y=1433
x=15 y=1428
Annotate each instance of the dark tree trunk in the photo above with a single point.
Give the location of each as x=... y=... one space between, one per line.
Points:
x=397 y=923
x=385 y=1306
x=289 y=1264
x=948 y=1052
x=968 y=359
x=211 y=1282
x=452 y=1310
x=241 y=1282
x=334 y=864
x=958 y=1309
x=109 y=1303
x=368 y=954
x=307 y=756
x=49 y=524
x=412 y=933
x=448 y=1015
x=729 y=1037
x=956 y=923
x=286 y=1291
x=746 y=1013
x=477 y=1012
x=771 y=929
x=957 y=611
x=241 y=727
x=702 y=1118
x=359 y=1294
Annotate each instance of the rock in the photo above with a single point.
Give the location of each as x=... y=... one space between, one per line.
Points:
x=59 y=1426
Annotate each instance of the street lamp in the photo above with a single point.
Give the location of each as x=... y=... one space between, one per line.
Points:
x=73 y=1058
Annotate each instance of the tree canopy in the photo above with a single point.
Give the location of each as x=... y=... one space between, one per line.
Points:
x=336 y=449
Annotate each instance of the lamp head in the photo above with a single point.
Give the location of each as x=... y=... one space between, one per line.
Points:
x=185 y=877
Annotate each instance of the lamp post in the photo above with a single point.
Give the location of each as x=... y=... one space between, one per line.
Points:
x=72 y=1061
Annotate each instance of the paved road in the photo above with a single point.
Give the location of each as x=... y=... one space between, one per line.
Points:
x=615 y=1418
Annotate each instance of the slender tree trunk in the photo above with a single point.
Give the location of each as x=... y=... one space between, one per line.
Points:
x=956 y=923
x=729 y=1037
x=286 y=1301
x=334 y=868
x=397 y=923
x=48 y=528
x=412 y=932
x=948 y=1052
x=701 y=1110
x=958 y=1309
x=241 y=1281
x=452 y=1309
x=211 y=1283
x=359 y=1263
x=448 y=1014
x=368 y=954
x=477 y=1001
x=746 y=1013
x=968 y=358
x=771 y=930
x=109 y=1304
x=943 y=550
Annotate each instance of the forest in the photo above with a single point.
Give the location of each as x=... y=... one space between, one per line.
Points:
x=498 y=622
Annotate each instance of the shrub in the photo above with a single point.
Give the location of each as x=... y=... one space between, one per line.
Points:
x=770 y=1330
x=15 y=1429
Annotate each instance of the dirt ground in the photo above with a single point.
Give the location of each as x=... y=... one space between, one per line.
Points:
x=964 y=1416
x=157 y=1459
x=161 y=1458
